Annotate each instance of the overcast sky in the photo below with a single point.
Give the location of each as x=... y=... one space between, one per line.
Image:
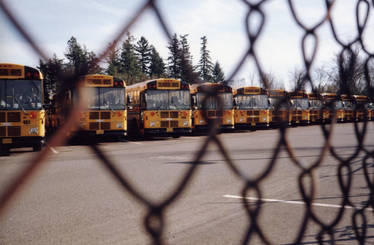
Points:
x=94 y=22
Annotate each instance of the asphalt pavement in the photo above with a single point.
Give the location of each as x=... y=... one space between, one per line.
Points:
x=74 y=199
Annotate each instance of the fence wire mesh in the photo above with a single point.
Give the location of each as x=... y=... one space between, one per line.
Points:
x=154 y=221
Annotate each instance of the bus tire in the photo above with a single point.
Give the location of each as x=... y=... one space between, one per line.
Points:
x=37 y=146
x=4 y=150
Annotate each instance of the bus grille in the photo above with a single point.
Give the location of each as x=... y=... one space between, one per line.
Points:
x=105 y=115
x=169 y=124
x=2 y=116
x=252 y=119
x=2 y=131
x=94 y=115
x=174 y=124
x=14 y=131
x=164 y=114
x=94 y=125
x=174 y=114
x=14 y=116
x=253 y=113
x=164 y=124
x=105 y=125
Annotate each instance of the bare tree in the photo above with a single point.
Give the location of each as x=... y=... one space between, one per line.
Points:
x=348 y=72
x=323 y=81
x=297 y=79
x=272 y=82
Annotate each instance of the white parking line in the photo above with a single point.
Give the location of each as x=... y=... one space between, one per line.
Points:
x=293 y=202
x=53 y=150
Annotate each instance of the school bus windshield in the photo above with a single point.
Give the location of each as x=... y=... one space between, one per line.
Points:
x=300 y=103
x=315 y=104
x=348 y=104
x=20 y=95
x=212 y=103
x=338 y=104
x=107 y=99
x=273 y=102
x=168 y=100
x=259 y=101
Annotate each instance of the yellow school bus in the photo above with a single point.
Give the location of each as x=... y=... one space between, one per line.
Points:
x=299 y=108
x=315 y=108
x=334 y=101
x=348 y=108
x=282 y=115
x=159 y=107
x=251 y=108
x=360 y=107
x=22 y=116
x=106 y=113
x=226 y=116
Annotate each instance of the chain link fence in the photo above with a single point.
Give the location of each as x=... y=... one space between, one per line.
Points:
x=155 y=218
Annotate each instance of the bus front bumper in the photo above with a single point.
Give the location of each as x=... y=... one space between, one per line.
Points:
x=165 y=132
x=18 y=142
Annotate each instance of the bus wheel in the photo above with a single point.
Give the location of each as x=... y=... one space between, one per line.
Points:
x=37 y=146
x=4 y=150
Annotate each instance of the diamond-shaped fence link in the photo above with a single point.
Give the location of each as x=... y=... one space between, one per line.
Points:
x=154 y=220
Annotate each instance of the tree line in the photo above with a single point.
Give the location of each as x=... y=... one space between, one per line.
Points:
x=138 y=60
x=346 y=73
x=134 y=61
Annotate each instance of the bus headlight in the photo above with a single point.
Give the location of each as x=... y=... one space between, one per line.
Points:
x=33 y=131
x=185 y=123
x=228 y=120
x=264 y=119
x=152 y=124
x=119 y=125
x=201 y=121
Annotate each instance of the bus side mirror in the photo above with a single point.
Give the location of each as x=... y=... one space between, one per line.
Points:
x=129 y=100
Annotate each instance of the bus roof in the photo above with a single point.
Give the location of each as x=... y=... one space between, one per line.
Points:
x=277 y=93
x=201 y=87
x=160 y=84
x=16 y=71
x=345 y=97
x=297 y=94
x=360 y=98
x=312 y=96
x=101 y=80
x=250 y=90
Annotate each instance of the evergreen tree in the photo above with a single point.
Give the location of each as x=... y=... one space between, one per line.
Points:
x=114 y=63
x=77 y=62
x=174 y=69
x=217 y=74
x=157 y=65
x=143 y=52
x=187 y=73
x=130 y=69
x=93 y=65
x=80 y=61
x=205 y=63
